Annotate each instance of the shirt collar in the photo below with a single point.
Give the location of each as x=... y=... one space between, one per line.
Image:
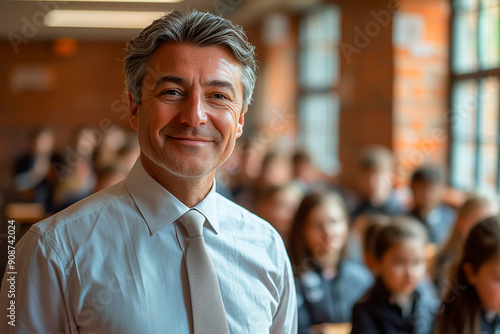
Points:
x=159 y=207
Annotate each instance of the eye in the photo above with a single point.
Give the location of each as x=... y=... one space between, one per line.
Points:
x=219 y=96
x=170 y=92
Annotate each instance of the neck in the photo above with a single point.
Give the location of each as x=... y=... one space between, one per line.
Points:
x=189 y=190
x=329 y=261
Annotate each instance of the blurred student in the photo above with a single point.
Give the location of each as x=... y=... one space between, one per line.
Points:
x=374 y=187
x=472 y=304
x=32 y=168
x=327 y=285
x=107 y=147
x=275 y=170
x=475 y=209
x=305 y=173
x=128 y=153
x=427 y=186
x=76 y=175
x=373 y=225
x=244 y=172
x=399 y=301
x=278 y=206
x=109 y=176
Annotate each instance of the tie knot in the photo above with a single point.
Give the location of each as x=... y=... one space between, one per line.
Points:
x=193 y=222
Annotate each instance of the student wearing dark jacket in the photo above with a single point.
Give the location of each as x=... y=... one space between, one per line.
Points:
x=472 y=304
x=400 y=301
x=380 y=313
x=327 y=285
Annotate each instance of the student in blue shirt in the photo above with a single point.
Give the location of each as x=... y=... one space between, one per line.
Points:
x=472 y=304
x=428 y=186
x=327 y=285
x=400 y=301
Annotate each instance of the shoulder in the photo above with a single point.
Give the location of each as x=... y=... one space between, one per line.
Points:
x=447 y=208
x=448 y=213
x=250 y=230
x=86 y=212
x=428 y=295
x=244 y=219
x=354 y=269
x=368 y=303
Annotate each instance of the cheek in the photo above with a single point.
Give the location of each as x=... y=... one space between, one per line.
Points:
x=155 y=116
x=311 y=238
x=393 y=273
x=489 y=292
x=225 y=123
x=341 y=230
x=420 y=270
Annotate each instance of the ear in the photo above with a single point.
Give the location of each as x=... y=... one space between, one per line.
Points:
x=371 y=263
x=470 y=274
x=133 y=115
x=241 y=122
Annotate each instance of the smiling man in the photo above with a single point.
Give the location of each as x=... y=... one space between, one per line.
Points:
x=162 y=252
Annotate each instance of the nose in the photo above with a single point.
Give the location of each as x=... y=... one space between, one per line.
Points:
x=328 y=232
x=193 y=111
x=411 y=271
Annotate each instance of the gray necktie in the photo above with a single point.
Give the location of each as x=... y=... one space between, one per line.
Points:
x=209 y=316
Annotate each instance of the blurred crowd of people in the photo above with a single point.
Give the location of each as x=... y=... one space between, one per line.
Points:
x=359 y=255
x=92 y=161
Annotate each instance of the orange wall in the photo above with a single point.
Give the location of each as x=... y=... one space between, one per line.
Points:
x=83 y=88
x=420 y=105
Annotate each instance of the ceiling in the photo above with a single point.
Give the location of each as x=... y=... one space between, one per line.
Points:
x=24 y=19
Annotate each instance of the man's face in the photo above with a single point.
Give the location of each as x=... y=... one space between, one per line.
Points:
x=192 y=109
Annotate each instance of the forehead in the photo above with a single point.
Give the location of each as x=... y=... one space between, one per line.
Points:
x=194 y=63
x=492 y=265
x=328 y=207
x=408 y=248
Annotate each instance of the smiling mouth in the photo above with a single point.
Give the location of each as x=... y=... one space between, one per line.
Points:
x=190 y=141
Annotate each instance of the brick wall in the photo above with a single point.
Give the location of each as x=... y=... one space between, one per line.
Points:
x=420 y=105
x=393 y=92
x=79 y=89
x=367 y=79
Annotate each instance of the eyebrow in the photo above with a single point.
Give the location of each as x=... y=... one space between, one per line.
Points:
x=223 y=84
x=182 y=81
x=170 y=78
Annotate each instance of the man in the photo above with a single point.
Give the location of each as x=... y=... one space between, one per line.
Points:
x=125 y=260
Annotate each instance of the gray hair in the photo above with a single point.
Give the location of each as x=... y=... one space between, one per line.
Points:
x=193 y=27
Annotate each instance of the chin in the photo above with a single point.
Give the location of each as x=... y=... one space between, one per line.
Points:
x=189 y=172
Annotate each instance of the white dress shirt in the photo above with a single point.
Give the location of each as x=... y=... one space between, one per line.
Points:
x=114 y=263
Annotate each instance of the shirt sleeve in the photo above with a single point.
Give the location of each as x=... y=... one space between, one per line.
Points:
x=285 y=318
x=32 y=297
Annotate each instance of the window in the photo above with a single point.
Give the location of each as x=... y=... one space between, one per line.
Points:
x=475 y=95
x=319 y=67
